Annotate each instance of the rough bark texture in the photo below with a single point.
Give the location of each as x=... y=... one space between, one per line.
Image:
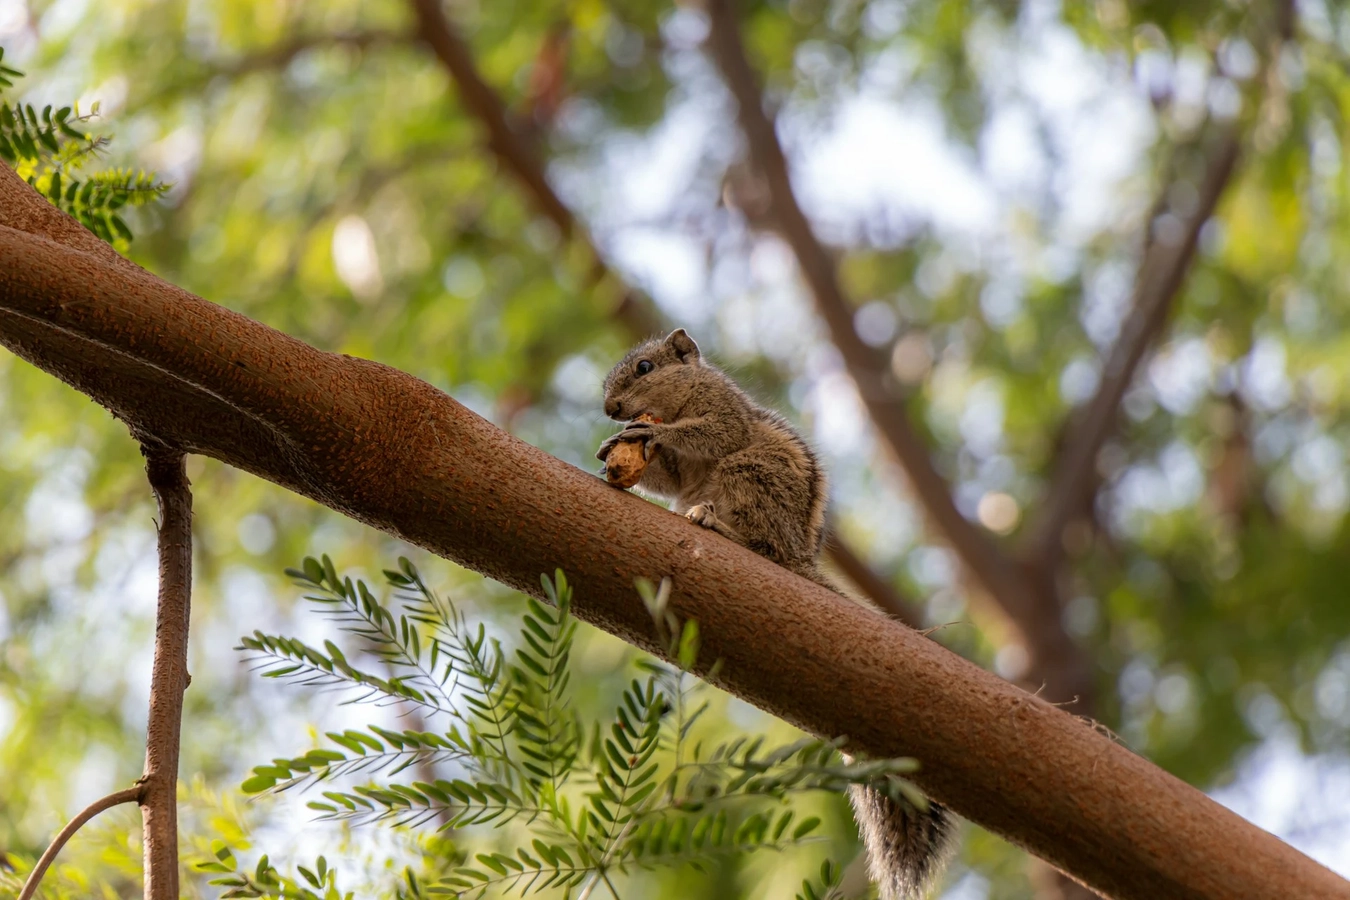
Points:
x=392 y=451
x=169 y=674
x=872 y=585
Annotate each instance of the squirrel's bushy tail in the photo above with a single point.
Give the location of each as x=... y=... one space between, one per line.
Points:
x=906 y=846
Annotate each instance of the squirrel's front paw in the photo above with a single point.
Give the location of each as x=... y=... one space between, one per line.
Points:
x=702 y=514
x=637 y=431
x=633 y=432
x=607 y=445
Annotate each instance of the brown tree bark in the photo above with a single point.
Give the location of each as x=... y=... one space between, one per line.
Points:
x=167 y=473
x=392 y=451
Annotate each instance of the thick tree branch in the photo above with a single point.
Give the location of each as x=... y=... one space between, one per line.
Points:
x=872 y=585
x=1162 y=272
x=126 y=795
x=394 y=452
x=167 y=473
x=1056 y=659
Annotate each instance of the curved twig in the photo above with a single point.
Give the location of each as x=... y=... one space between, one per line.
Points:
x=126 y=795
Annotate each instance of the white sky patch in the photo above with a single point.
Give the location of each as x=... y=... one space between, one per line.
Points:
x=1301 y=799
x=177 y=155
x=651 y=173
x=1012 y=153
x=13 y=17
x=880 y=155
x=837 y=413
x=1181 y=374
x=672 y=266
x=1078 y=381
x=579 y=380
x=61 y=18
x=355 y=258
x=1099 y=124
x=1265 y=383
x=981 y=420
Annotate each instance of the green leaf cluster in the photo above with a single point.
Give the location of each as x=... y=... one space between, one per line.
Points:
x=826 y=888
x=51 y=151
x=640 y=793
x=265 y=880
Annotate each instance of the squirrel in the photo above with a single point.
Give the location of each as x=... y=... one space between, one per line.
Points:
x=730 y=465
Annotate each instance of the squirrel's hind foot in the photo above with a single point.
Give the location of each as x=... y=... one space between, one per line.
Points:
x=705 y=516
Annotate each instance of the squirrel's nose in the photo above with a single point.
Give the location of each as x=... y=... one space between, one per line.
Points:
x=613 y=408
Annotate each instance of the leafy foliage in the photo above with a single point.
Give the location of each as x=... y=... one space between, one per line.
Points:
x=641 y=794
x=824 y=889
x=51 y=151
x=318 y=882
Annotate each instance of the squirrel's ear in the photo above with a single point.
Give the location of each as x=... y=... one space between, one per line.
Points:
x=683 y=345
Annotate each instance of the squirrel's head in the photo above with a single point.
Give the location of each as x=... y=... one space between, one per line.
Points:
x=654 y=378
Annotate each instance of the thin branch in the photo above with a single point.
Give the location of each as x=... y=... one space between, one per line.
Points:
x=1162 y=273
x=126 y=795
x=282 y=55
x=393 y=452
x=518 y=155
x=167 y=473
x=1161 y=276
x=510 y=145
x=1036 y=617
x=872 y=585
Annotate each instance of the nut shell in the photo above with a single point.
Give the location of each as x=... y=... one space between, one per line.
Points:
x=625 y=464
x=628 y=460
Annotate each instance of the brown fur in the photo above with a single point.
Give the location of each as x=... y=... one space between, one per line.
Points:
x=734 y=467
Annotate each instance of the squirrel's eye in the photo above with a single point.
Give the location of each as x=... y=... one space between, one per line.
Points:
x=644 y=366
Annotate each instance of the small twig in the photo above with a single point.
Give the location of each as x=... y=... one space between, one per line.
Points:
x=169 y=677
x=126 y=795
x=929 y=632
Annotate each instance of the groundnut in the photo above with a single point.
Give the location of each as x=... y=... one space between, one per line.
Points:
x=625 y=463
